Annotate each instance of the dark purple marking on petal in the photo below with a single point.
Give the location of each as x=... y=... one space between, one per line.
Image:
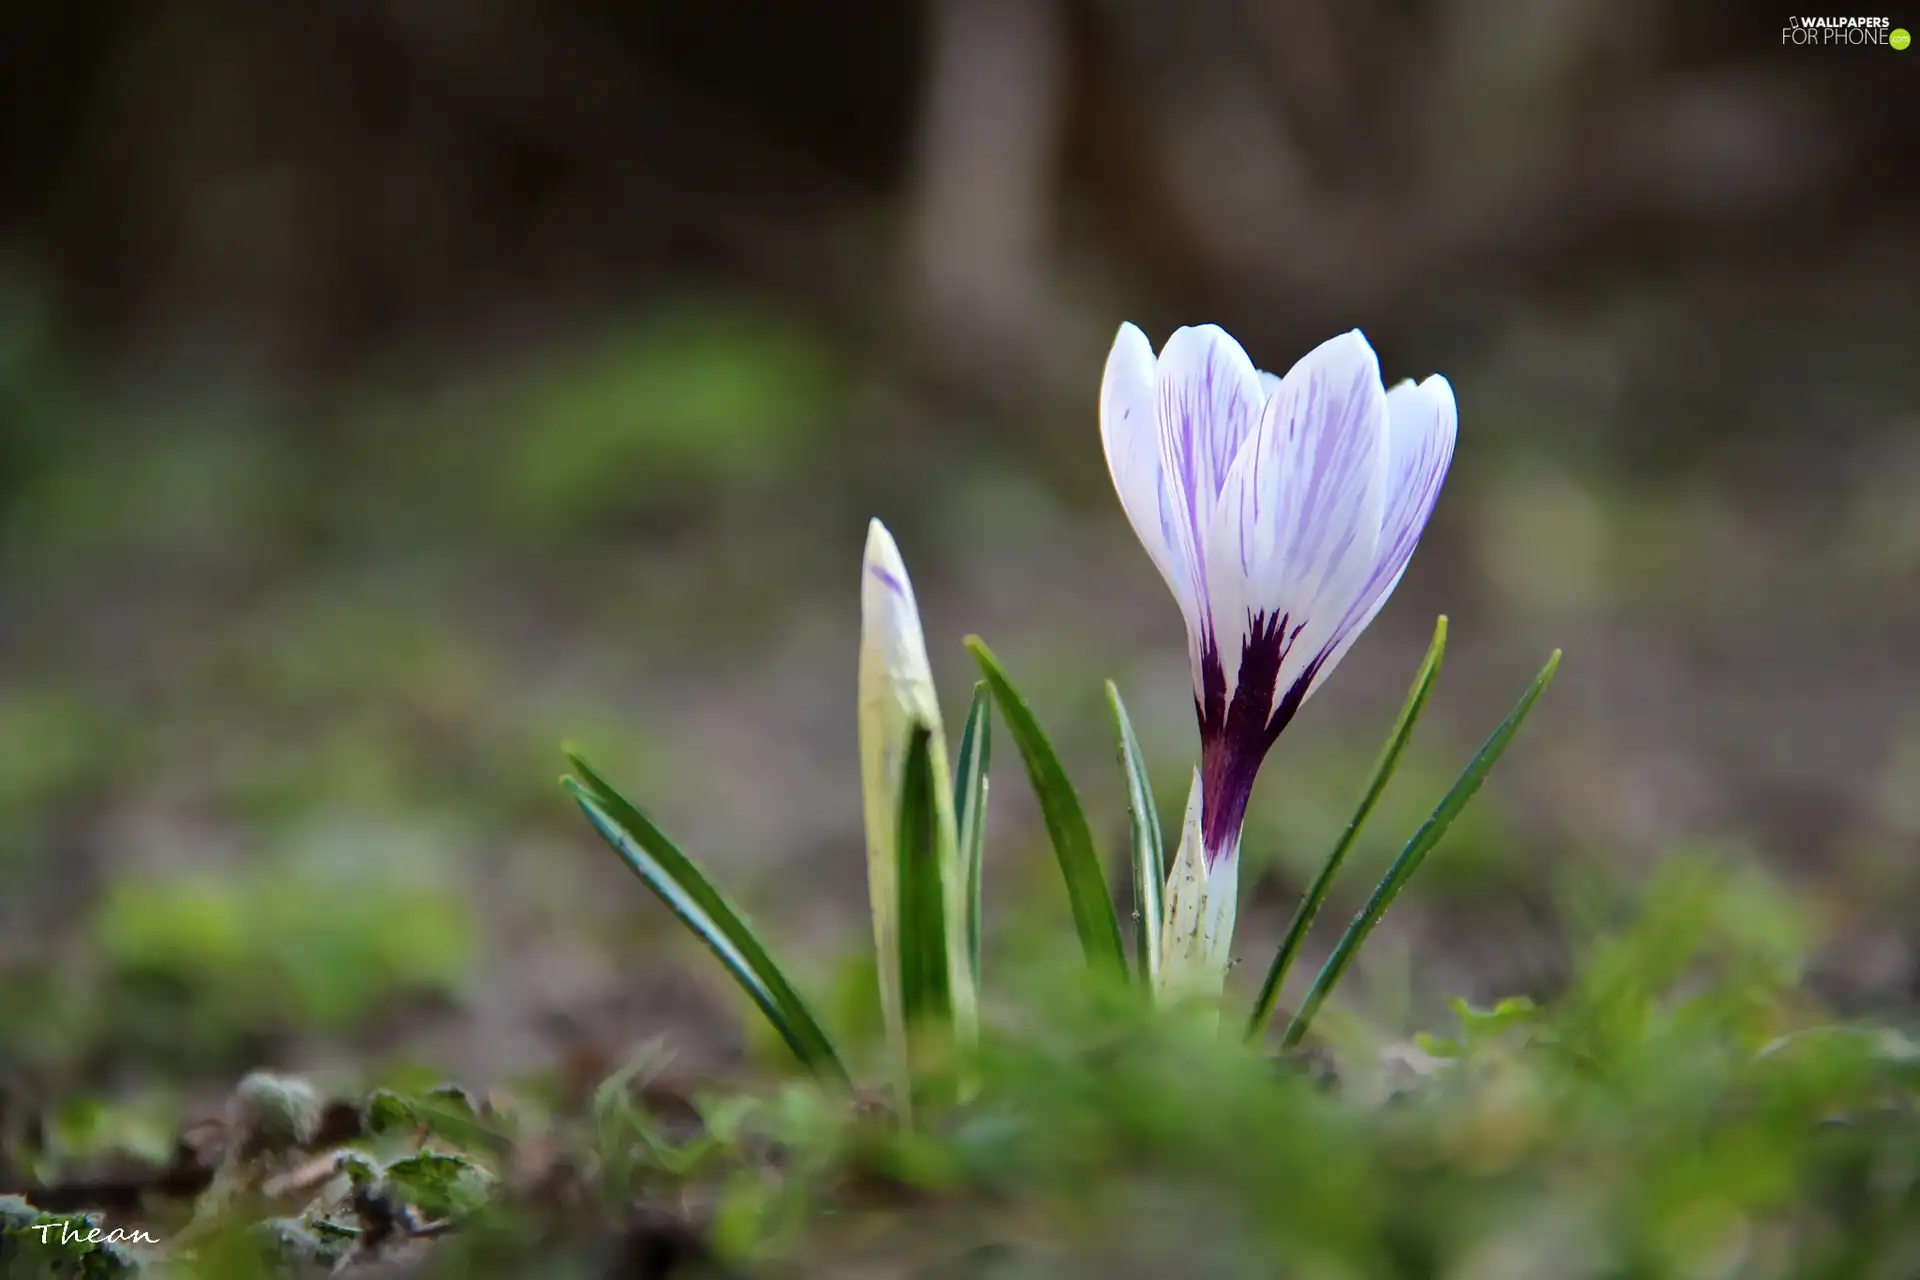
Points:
x=1236 y=736
x=893 y=584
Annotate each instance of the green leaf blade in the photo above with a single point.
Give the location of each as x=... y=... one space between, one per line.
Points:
x=1415 y=852
x=970 y=808
x=925 y=990
x=1066 y=821
x=674 y=878
x=1149 y=853
x=1316 y=894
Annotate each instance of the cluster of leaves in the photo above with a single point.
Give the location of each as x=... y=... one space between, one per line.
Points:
x=920 y=912
x=280 y=1183
x=1677 y=1110
x=75 y=1244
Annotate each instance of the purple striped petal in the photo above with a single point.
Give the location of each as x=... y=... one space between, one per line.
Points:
x=1130 y=434
x=1298 y=529
x=1292 y=546
x=1209 y=401
x=1422 y=424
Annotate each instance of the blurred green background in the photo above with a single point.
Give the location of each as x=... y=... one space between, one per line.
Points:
x=389 y=391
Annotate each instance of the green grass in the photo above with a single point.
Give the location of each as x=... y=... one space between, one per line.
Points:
x=1680 y=1108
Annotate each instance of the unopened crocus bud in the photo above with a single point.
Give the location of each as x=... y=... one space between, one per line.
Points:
x=896 y=693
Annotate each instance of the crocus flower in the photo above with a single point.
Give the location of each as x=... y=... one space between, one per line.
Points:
x=896 y=692
x=1282 y=513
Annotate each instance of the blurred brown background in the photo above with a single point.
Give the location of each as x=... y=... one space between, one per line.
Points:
x=390 y=390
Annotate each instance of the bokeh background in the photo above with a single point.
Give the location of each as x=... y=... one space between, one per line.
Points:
x=389 y=391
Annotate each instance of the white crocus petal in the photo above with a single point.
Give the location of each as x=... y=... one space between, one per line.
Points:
x=1419 y=448
x=896 y=681
x=1209 y=400
x=1422 y=425
x=1294 y=543
x=1217 y=916
x=1269 y=383
x=1130 y=434
x=896 y=692
x=1197 y=913
x=1186 y=891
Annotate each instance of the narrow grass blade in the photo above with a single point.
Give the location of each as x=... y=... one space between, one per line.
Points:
x=970 y=808
x=925 y=989
x=1149 y=855
x=1316 y=893
x=1066 y=820
x=674 y=878
x=1415 y=851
